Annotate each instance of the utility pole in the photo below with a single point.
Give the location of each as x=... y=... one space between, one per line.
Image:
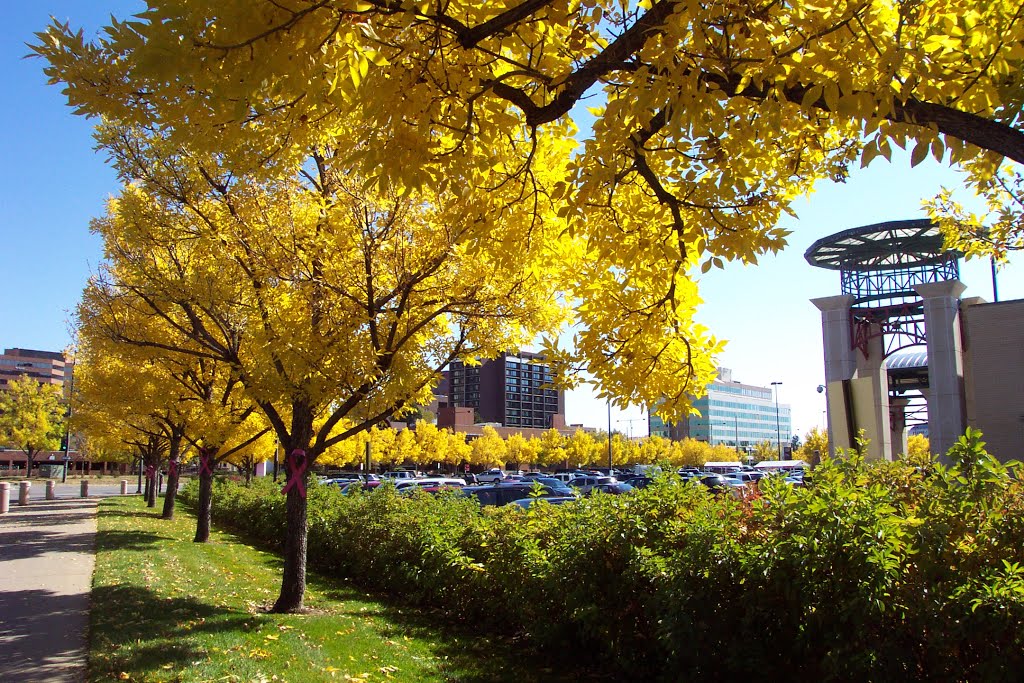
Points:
x=778 y=431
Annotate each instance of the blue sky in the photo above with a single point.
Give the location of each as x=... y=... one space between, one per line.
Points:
x=52 y=183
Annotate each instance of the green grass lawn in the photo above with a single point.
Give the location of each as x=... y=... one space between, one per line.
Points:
x=167 y=609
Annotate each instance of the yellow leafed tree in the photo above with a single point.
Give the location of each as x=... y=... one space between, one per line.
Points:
x=31 y=417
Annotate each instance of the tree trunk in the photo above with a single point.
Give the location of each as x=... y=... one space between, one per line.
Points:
x=205 y=511
x=151 y=491
x=173 y=456
x=170 y=495
x=29 y=459
x=293 y=582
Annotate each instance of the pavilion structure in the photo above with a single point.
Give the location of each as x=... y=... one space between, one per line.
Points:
x=893 y=338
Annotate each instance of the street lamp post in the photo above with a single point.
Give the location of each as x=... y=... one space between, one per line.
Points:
x=67 y=430
x=609 y=437
x=778 y=430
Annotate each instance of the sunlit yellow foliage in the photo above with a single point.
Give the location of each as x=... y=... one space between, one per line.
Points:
x=552 y=451
x=918 y=448
x=488 y=449
x=521 y=451
x=814 y=448
x=31 y=416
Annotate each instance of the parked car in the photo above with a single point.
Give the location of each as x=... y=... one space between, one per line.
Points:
x=716 y=483
x=397 y=475
x=615 y=488
x=559 y=487
x=639 y=482
x=424 y=482
x=584 y=484
x=503 y=494
x=353 y=486
x=491 y=476
x=552 y=500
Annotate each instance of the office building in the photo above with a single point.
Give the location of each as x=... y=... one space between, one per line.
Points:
x=46 y=367
x=731 y=414
x=514 y=390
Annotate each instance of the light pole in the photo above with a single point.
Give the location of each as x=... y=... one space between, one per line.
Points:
x=67 y=429
x=609 y=437
x=736 y=429
x=778 y=430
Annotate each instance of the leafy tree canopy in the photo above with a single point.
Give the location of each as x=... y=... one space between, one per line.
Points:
x=31 y=416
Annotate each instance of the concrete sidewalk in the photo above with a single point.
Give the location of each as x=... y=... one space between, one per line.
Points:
x=47 y=554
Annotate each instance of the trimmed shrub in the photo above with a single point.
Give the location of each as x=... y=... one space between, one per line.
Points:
x=871 y=572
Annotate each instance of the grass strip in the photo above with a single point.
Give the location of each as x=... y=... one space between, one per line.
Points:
x=167 y=609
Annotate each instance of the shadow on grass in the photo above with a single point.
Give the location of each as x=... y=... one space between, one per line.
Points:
x=143 y=631
x=470 y=654
x=113 y=539
x=147 y=512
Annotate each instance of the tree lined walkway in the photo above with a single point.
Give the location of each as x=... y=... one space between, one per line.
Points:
x=46 y=564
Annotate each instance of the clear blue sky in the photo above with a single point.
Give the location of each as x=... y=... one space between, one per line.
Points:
x=52 y=183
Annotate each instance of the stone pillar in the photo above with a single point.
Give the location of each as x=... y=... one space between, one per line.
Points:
x=898 y=425
x=876 y=424
x=945 y=363
x=124 y=487
x=837 y=340
x=23 y=490
x=51 y=492
x=85 y=488
x=5 y=497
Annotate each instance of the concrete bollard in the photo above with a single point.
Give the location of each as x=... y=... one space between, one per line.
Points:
x=5 y=497
x=124 y=487
x=51 y=492
x=85 y=488
x=23 y=489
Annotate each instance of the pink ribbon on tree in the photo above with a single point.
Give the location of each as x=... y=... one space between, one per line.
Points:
x=296 y=465
x=204 y=462
x=172 y=468
x=150 y=471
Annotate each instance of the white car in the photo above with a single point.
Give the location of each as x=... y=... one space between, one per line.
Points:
x=426 y=482
x=491 y=476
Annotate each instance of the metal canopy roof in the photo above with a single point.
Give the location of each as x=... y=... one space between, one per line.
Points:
x=906 y=360
x=882 y=246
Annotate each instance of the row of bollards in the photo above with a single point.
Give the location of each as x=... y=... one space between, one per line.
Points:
x=25 y=487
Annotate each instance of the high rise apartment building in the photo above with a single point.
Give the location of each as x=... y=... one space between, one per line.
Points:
x=513 y=390
x=732 y=414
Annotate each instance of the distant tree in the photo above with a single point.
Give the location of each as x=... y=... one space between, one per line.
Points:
x=918 y=448
x=520 y=450
x=31 y=417
x=582 y=448
x=488 y=449
x=552 y=449
x=815 y=447
x=766 y=450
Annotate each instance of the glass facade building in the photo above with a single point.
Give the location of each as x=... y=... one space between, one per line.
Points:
x=731 y=414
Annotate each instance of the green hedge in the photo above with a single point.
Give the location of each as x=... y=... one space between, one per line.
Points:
x=872 y=572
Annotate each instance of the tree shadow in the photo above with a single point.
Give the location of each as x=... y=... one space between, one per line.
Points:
x=135 y=514
x=470 y=653
x=42 y=635
x=137 y=637
x=112 y=539
x=27 y=543
x=51 y=518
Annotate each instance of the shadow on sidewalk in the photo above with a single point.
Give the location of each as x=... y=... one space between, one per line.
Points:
x=26 y=543
x=34 y=642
